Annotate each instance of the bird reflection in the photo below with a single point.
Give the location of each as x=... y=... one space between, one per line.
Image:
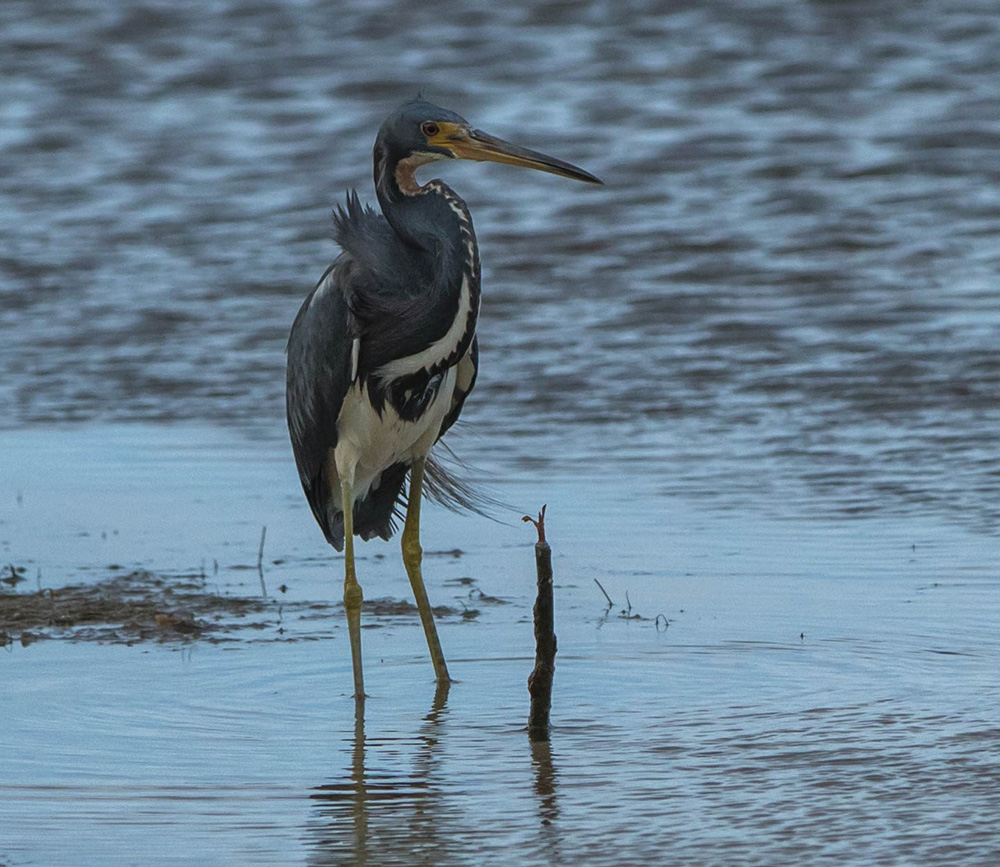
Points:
x=379 y=817
x=376 y=814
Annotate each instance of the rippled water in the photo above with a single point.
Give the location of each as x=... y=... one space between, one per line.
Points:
x=789 y=279
x=756 y=377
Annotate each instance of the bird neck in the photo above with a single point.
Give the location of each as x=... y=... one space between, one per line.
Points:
x=431 y=219
x=435 y=223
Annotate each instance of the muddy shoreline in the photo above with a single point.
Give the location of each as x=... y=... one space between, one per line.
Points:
x=143 y=606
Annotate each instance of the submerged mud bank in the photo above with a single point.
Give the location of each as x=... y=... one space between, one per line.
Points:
x=143 y=606
x=133 y=607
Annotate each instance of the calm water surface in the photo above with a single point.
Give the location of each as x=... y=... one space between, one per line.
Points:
x=825 y=690
x=755 y=376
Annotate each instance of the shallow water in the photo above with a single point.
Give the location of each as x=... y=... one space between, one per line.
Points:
x=754 y=376
x=825 y=690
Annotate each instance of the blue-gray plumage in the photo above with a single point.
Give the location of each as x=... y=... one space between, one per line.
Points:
x=383 y=352
x=392 y=313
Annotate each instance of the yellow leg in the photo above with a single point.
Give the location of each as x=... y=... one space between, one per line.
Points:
x=352 y=591
x=412 y=554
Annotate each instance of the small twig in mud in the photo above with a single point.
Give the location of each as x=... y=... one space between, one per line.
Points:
x=540 y=679
x=16 y=575
x=260 y=561
x=666 y=622
x=624 y=613
x=605 y=592
x=260 y=550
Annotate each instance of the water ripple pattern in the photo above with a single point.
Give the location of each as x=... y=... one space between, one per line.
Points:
x=788 y=283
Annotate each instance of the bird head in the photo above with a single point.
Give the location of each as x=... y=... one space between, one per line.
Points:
x=420 y=132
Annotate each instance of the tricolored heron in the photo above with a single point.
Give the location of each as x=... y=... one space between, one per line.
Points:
x=383 y=352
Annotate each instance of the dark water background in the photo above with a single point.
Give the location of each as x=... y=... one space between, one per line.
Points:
x=756 y=373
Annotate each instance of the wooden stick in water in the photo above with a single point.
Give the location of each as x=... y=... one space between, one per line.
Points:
x=540 y=679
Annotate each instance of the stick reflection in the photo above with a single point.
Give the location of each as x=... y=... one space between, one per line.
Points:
x=545 y=781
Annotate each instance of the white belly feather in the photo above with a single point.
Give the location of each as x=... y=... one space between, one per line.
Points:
x=368 y=443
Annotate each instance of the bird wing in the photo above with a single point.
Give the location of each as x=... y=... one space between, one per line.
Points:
x=321 y=364
x=367 y=309
x=399 y=297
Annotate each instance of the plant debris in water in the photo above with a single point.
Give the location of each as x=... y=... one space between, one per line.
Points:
x=143 y=606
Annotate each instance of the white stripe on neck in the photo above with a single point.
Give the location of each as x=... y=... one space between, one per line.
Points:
x=440 y=349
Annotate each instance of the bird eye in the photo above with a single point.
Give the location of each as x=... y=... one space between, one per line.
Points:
x=430 y=128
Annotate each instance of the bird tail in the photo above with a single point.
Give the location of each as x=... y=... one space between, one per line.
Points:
x=443 y=486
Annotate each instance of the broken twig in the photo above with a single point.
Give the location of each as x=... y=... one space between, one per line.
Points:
x=605 y=592
x=260 y=561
